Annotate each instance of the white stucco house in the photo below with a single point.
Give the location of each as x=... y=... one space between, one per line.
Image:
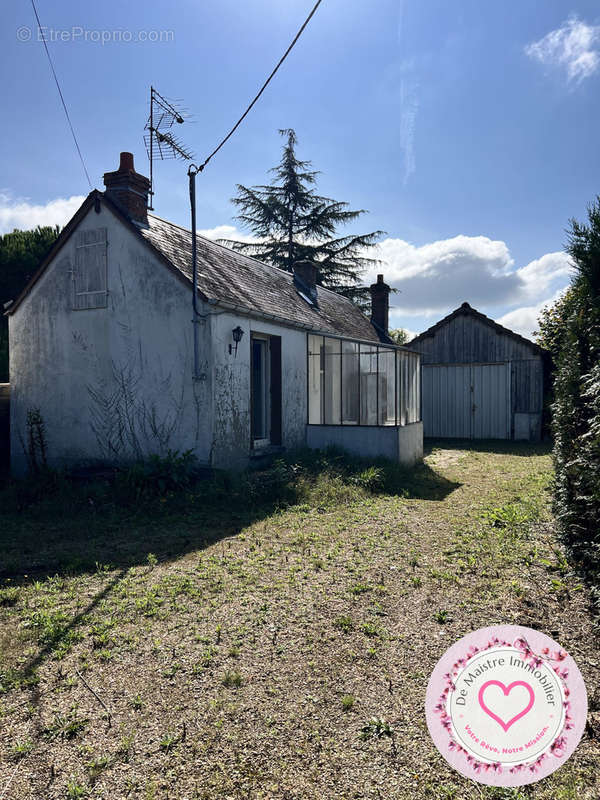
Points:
x=105 y=342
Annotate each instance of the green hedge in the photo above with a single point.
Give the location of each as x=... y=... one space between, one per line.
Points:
x=572 y=329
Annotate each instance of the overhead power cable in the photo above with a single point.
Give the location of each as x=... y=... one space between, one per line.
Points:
x=262 y=88
x=64 y=105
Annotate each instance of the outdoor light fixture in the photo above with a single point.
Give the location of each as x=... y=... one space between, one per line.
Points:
x=237 y=334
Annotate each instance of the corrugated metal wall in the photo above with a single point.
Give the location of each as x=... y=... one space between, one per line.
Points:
x=467 y=401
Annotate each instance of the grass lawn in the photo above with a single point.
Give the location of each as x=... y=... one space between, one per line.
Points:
x=179 y=647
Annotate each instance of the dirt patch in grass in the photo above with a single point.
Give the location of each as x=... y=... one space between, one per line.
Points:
x=246 y=656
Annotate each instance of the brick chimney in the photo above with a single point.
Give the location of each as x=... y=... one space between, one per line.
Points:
x=380 y=304
x=129 y=190
x=305 y=278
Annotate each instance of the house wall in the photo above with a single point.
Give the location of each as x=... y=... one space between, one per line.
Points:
x=4 y=427
x=466 y=340
x=232 y=386
x=109 y=382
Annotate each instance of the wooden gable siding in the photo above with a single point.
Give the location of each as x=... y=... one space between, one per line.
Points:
x=467 y=340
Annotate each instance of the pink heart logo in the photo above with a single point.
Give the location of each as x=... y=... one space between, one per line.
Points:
x=507 y=690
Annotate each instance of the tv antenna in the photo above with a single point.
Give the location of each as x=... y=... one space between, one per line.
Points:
x=161 y=142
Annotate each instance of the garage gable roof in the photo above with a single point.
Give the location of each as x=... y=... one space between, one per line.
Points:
x=466 y=310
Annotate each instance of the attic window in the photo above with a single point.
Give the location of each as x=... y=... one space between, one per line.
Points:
x=90 y=288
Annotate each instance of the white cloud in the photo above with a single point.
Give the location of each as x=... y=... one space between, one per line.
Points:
x=227 y=232
x=542 y=274
x=573 y=47
x=21 y=214
x=440 y=275
x=437 y=277
x=524 y=320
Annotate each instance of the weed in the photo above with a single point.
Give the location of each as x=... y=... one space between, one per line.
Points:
x=344 y=624
x=348 y=702
x=96 y=766
x=442 y=617
x=21 y=748
x=371 y=478
x=156 y=475
x=75 y=790
x=359 y=588
x=168 y=742
x=9 y=596
x=66 y=726
x=125 y=746
x=370 y=629
x=375 y=728
x=136 y=702
x=232 y=680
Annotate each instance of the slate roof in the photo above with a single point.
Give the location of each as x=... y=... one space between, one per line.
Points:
x=468 y=310
x=236 y=279
x=229 y=278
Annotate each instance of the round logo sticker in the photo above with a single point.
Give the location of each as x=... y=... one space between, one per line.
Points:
x=506 y=705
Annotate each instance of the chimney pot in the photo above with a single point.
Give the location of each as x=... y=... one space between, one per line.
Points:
x=126 y=162
x=128 y=189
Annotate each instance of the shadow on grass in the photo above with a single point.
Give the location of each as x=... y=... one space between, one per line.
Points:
x=501 y=446
x=52 y=525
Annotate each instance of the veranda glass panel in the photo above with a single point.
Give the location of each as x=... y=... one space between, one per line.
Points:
x=387 y=386
x=413 y=413
x=401 y=410
x=315 y=379
x=406 y=389
x=332 y=382
x=350 y=385
x=368 y=384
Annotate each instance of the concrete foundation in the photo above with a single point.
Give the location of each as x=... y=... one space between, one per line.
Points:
x=398 y=443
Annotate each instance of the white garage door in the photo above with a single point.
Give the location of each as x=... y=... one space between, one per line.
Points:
x=466 y=401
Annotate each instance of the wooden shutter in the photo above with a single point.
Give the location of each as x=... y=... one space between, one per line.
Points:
x=275 y=350
x=90 y=288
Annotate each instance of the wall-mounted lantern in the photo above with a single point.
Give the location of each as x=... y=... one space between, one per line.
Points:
x=237 y=334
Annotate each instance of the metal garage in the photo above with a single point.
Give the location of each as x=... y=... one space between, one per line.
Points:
x=479 y=379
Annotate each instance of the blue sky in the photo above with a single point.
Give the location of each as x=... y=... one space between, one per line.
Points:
x=467 y=129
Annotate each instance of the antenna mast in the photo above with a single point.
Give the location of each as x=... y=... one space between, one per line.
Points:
x=160 y=141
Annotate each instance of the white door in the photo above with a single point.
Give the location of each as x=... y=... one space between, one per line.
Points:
x=466 y=401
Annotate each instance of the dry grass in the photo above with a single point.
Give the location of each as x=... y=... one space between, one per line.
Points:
x=247 y=663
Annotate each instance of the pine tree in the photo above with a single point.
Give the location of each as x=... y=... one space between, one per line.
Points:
x=293 y=223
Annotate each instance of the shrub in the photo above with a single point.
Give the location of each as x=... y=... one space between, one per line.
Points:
x=157 y=475
x=573 y=331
